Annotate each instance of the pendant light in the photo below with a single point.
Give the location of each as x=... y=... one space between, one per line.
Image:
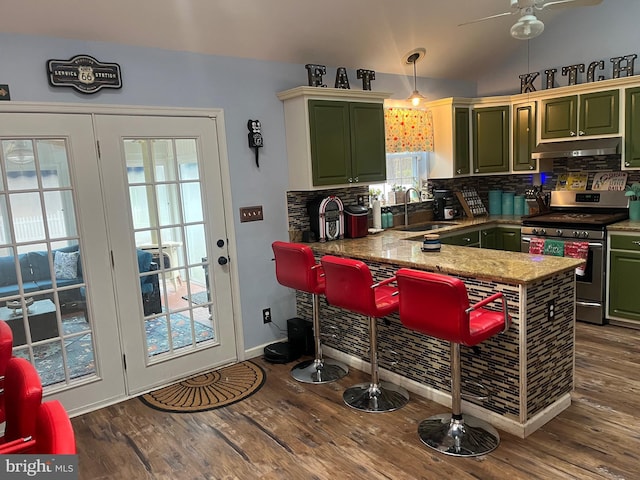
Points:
x=411 y=58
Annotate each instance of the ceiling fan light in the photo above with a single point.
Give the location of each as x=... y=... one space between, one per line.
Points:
x=527 y=27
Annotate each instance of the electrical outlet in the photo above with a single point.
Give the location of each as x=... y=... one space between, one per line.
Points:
x=266 y=315
x=250 y=214
x=551 y=309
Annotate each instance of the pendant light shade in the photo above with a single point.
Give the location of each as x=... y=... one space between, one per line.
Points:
x=416 y=97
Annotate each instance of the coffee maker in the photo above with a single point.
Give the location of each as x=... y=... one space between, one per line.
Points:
x=441 y=199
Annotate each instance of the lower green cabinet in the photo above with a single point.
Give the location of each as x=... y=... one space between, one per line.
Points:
x=624 y=267
x=501 y=238
x=468 y=239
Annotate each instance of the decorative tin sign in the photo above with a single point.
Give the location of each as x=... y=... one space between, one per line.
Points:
x=84 y=73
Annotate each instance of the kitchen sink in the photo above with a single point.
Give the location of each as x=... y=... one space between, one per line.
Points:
x=425 y=227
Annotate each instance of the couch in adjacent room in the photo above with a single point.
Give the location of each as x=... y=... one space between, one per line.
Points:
x=36 y=276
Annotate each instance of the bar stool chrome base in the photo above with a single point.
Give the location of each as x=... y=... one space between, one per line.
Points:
x=467 y=437
x=319 y=371
x=381 y=397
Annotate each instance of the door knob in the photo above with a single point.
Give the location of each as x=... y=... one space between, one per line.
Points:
x=220 y=243
x=222 y=260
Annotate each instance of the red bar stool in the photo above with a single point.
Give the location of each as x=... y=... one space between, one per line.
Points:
x=438 y=305
x=349 y=285
x=296 y=268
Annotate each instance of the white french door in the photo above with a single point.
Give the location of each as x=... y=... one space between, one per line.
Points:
x=114 y=272
x=54 y=257
x=164 y=201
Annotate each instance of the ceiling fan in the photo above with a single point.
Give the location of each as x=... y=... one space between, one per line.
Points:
x=528 y=25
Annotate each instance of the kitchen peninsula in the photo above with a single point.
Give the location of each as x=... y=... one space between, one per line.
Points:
x=528 y=370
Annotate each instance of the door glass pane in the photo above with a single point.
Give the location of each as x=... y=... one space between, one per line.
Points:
x=43 y=296
x=169 y=234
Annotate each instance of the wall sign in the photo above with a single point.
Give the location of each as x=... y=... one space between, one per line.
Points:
x=620 y=66
x=84 y=73
x=315 y=73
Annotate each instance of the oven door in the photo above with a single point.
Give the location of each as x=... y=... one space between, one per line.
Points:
x=590 y=286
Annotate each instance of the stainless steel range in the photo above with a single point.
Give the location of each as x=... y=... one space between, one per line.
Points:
x=584 y=216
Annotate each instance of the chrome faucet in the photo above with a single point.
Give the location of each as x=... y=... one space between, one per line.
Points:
x=407 y=197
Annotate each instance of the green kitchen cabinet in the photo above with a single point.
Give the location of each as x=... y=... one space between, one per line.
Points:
x=501 y=238
x=632 y=127
x=467 y=239
x=509 y=238
x=490 y=126
x=347 y=142
x=624 y=265
x=451 y=128
x=524 y=136
x=596 y=113
x=461 y=153
x=489 y=238
x=334 y=137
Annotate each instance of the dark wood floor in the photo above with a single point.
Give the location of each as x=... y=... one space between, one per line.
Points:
x=289 y=430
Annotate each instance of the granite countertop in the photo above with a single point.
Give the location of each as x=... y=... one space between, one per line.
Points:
x=393 y=246
x=625 y=226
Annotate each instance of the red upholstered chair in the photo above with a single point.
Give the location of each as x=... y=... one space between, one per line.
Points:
x=54 y=434
x=6 y=346
x=438 y=306
x=349 y=285
x=22 y=398
x=296 y=268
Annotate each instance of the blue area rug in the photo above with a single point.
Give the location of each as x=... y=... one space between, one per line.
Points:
x=79 y=348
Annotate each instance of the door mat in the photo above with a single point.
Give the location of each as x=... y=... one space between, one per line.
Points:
x=208 y=391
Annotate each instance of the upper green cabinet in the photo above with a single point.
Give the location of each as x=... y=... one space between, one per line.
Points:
x=347 y=142
x=632 y=127
x=334 y=137
x=451 y=156
x=596 y=113
x=491 y=139
x=461 y=154
x=524 y=136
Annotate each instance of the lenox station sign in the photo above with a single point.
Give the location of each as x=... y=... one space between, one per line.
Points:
x=84 y=73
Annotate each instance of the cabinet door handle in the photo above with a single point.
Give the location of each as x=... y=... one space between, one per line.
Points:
x=531 y=167
x=477 y=170
x=466 y=239
x=350 y=180
x=580 y=132
x=627 y=164
x=573 y=134
x=636 y=242
x=357 y=180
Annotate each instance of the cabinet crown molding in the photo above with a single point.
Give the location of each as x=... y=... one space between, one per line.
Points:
x=337 y=93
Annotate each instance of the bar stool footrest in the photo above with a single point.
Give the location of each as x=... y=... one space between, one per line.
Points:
x=319 y=371
x=374 y=398
x=468 y=437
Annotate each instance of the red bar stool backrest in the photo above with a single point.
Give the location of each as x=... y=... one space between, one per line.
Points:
x=6 y=346
x=296 y=267
x=348 y=285
x=54 y=432
x=436 y=305
x=22 y=397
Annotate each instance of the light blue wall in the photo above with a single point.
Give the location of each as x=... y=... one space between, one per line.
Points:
x=580 y=35
x=244 y=89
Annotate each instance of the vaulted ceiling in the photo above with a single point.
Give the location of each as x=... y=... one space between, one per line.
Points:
x=371 y=34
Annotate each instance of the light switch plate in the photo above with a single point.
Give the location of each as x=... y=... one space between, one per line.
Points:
x=250 y=214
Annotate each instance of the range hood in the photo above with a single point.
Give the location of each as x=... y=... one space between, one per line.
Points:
x=577 y=148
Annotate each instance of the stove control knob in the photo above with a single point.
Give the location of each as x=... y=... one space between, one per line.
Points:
x=585 y=234
x=534 y=231
x=558 y=232
x=543 y=231
x=576 y=234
